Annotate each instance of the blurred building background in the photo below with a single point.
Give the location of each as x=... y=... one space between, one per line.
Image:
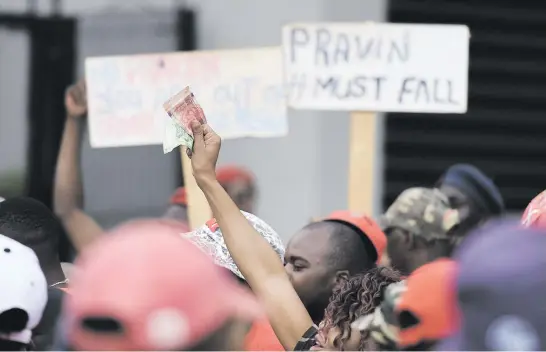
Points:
x=504 y=132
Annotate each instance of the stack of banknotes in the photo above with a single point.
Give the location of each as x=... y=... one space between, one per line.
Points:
x=182 y=109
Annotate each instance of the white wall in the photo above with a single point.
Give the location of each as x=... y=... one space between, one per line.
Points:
x=14 y=67
x=122 y=183
x=300 y=176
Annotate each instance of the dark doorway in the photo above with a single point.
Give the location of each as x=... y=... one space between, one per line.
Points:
x=504 y=131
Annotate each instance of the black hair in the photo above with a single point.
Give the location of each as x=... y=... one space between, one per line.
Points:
x=31 y=223
x=350 y=248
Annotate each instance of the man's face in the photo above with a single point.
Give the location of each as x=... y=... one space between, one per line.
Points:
x=469 y=213
x=306 y=260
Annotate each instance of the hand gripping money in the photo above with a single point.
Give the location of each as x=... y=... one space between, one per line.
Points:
x=205 y=152
x=182 y=110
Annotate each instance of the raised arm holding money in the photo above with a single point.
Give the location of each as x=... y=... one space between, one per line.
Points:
x=254 y=257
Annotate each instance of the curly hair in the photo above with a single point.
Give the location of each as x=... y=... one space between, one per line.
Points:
x=355 y=297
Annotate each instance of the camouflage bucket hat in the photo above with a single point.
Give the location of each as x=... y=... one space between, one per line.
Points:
x=210 y=240
x=422 y=212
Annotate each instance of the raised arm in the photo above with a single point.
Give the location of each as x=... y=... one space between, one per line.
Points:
x=68 y=189
x=255 y=258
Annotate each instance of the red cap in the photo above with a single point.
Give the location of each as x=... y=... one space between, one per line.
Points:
x=365 y=224
x=535 y=214
x=179 y=196
x=430 y=296
x=224 y=175
x=232 y=173
x=164 y=292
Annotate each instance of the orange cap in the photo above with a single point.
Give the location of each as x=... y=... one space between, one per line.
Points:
x=162 y=290
x=224 y=175
x=231 y=173
x=430 y=297
x=366 y=225
x=179 y=196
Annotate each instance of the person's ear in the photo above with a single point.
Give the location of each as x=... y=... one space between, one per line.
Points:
x=341 y=276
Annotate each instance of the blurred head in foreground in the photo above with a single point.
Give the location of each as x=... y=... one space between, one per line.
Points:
x=419 y=226
x=144 y=288
x=23 y=294
x=500 y=290
x=473 y=193
x=326 y=253
x=535 y=214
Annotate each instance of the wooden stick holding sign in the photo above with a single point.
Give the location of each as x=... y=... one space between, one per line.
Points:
x=362 y=155
x=239 y=98
x=375 y=67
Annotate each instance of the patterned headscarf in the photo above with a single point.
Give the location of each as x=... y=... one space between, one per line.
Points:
x=210 y=240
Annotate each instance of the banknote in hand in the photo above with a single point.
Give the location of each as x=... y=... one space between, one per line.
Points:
x=175 y=136
x=182 y=109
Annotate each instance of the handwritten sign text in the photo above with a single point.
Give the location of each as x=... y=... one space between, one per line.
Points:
x=377 y=67
x=241 y=92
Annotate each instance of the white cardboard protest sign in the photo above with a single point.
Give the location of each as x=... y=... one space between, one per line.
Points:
x=241 y=92
x=377 y=67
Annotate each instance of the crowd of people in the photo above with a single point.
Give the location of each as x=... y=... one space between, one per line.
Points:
x=441 y=269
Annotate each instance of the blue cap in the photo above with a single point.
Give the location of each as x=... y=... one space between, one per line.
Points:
x=501 y=289
x=476 y=185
